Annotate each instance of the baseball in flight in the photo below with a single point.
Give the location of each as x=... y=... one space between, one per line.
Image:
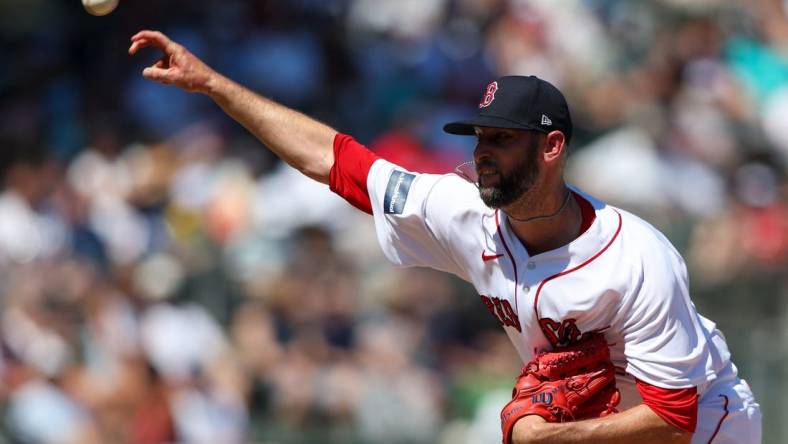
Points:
x=99 y=7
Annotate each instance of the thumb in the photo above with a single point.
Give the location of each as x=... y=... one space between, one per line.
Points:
x=159 y=74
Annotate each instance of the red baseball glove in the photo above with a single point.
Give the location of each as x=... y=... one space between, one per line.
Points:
x=567 y=384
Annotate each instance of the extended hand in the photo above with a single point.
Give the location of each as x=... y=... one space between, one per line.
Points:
x=177 y=65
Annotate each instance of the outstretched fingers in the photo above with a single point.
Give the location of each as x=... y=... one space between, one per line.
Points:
x=161 y=71
x=137 y=44
x=147 y=38
x=154 y=36
x=176 y=66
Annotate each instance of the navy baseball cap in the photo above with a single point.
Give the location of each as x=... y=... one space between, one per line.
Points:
x=519 y=102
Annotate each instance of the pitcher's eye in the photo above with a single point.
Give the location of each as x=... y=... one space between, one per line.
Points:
x=501 y=138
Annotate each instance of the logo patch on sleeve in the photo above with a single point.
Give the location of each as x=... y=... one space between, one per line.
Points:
x=397 y=192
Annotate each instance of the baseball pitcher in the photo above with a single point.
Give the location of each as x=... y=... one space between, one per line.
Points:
x=594 y=299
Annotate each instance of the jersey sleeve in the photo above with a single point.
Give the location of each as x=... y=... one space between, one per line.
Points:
x=665 y=344
x=415 y=216
x=413 y=212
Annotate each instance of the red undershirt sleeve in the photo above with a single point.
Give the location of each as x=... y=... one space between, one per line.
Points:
x=348 y=175
x=677 y=407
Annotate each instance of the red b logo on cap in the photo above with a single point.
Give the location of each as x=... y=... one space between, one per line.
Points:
x=489 y=95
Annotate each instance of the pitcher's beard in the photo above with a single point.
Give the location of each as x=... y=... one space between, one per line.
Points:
x=510 y=186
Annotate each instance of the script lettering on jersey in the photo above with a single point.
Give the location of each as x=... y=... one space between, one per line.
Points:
x=503 y=311
x=562 y=333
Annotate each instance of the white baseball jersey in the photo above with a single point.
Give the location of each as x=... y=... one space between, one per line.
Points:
x=620 y=276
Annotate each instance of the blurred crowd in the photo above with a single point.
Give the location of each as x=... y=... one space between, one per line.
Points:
x=164 y=279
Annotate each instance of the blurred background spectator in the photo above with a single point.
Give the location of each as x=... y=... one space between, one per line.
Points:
x=163 y=278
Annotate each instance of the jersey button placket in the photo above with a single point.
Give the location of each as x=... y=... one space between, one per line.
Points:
x=530 y=266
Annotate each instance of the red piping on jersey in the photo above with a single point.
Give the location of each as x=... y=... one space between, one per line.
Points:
x=511 y=258
x=719 y=424
x=588 y=261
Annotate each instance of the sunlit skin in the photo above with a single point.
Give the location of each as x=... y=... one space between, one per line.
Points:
x=639 y=424
x=537 y=160
x=500 y=186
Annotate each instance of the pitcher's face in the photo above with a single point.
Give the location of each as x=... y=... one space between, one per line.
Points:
x=507 y=164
